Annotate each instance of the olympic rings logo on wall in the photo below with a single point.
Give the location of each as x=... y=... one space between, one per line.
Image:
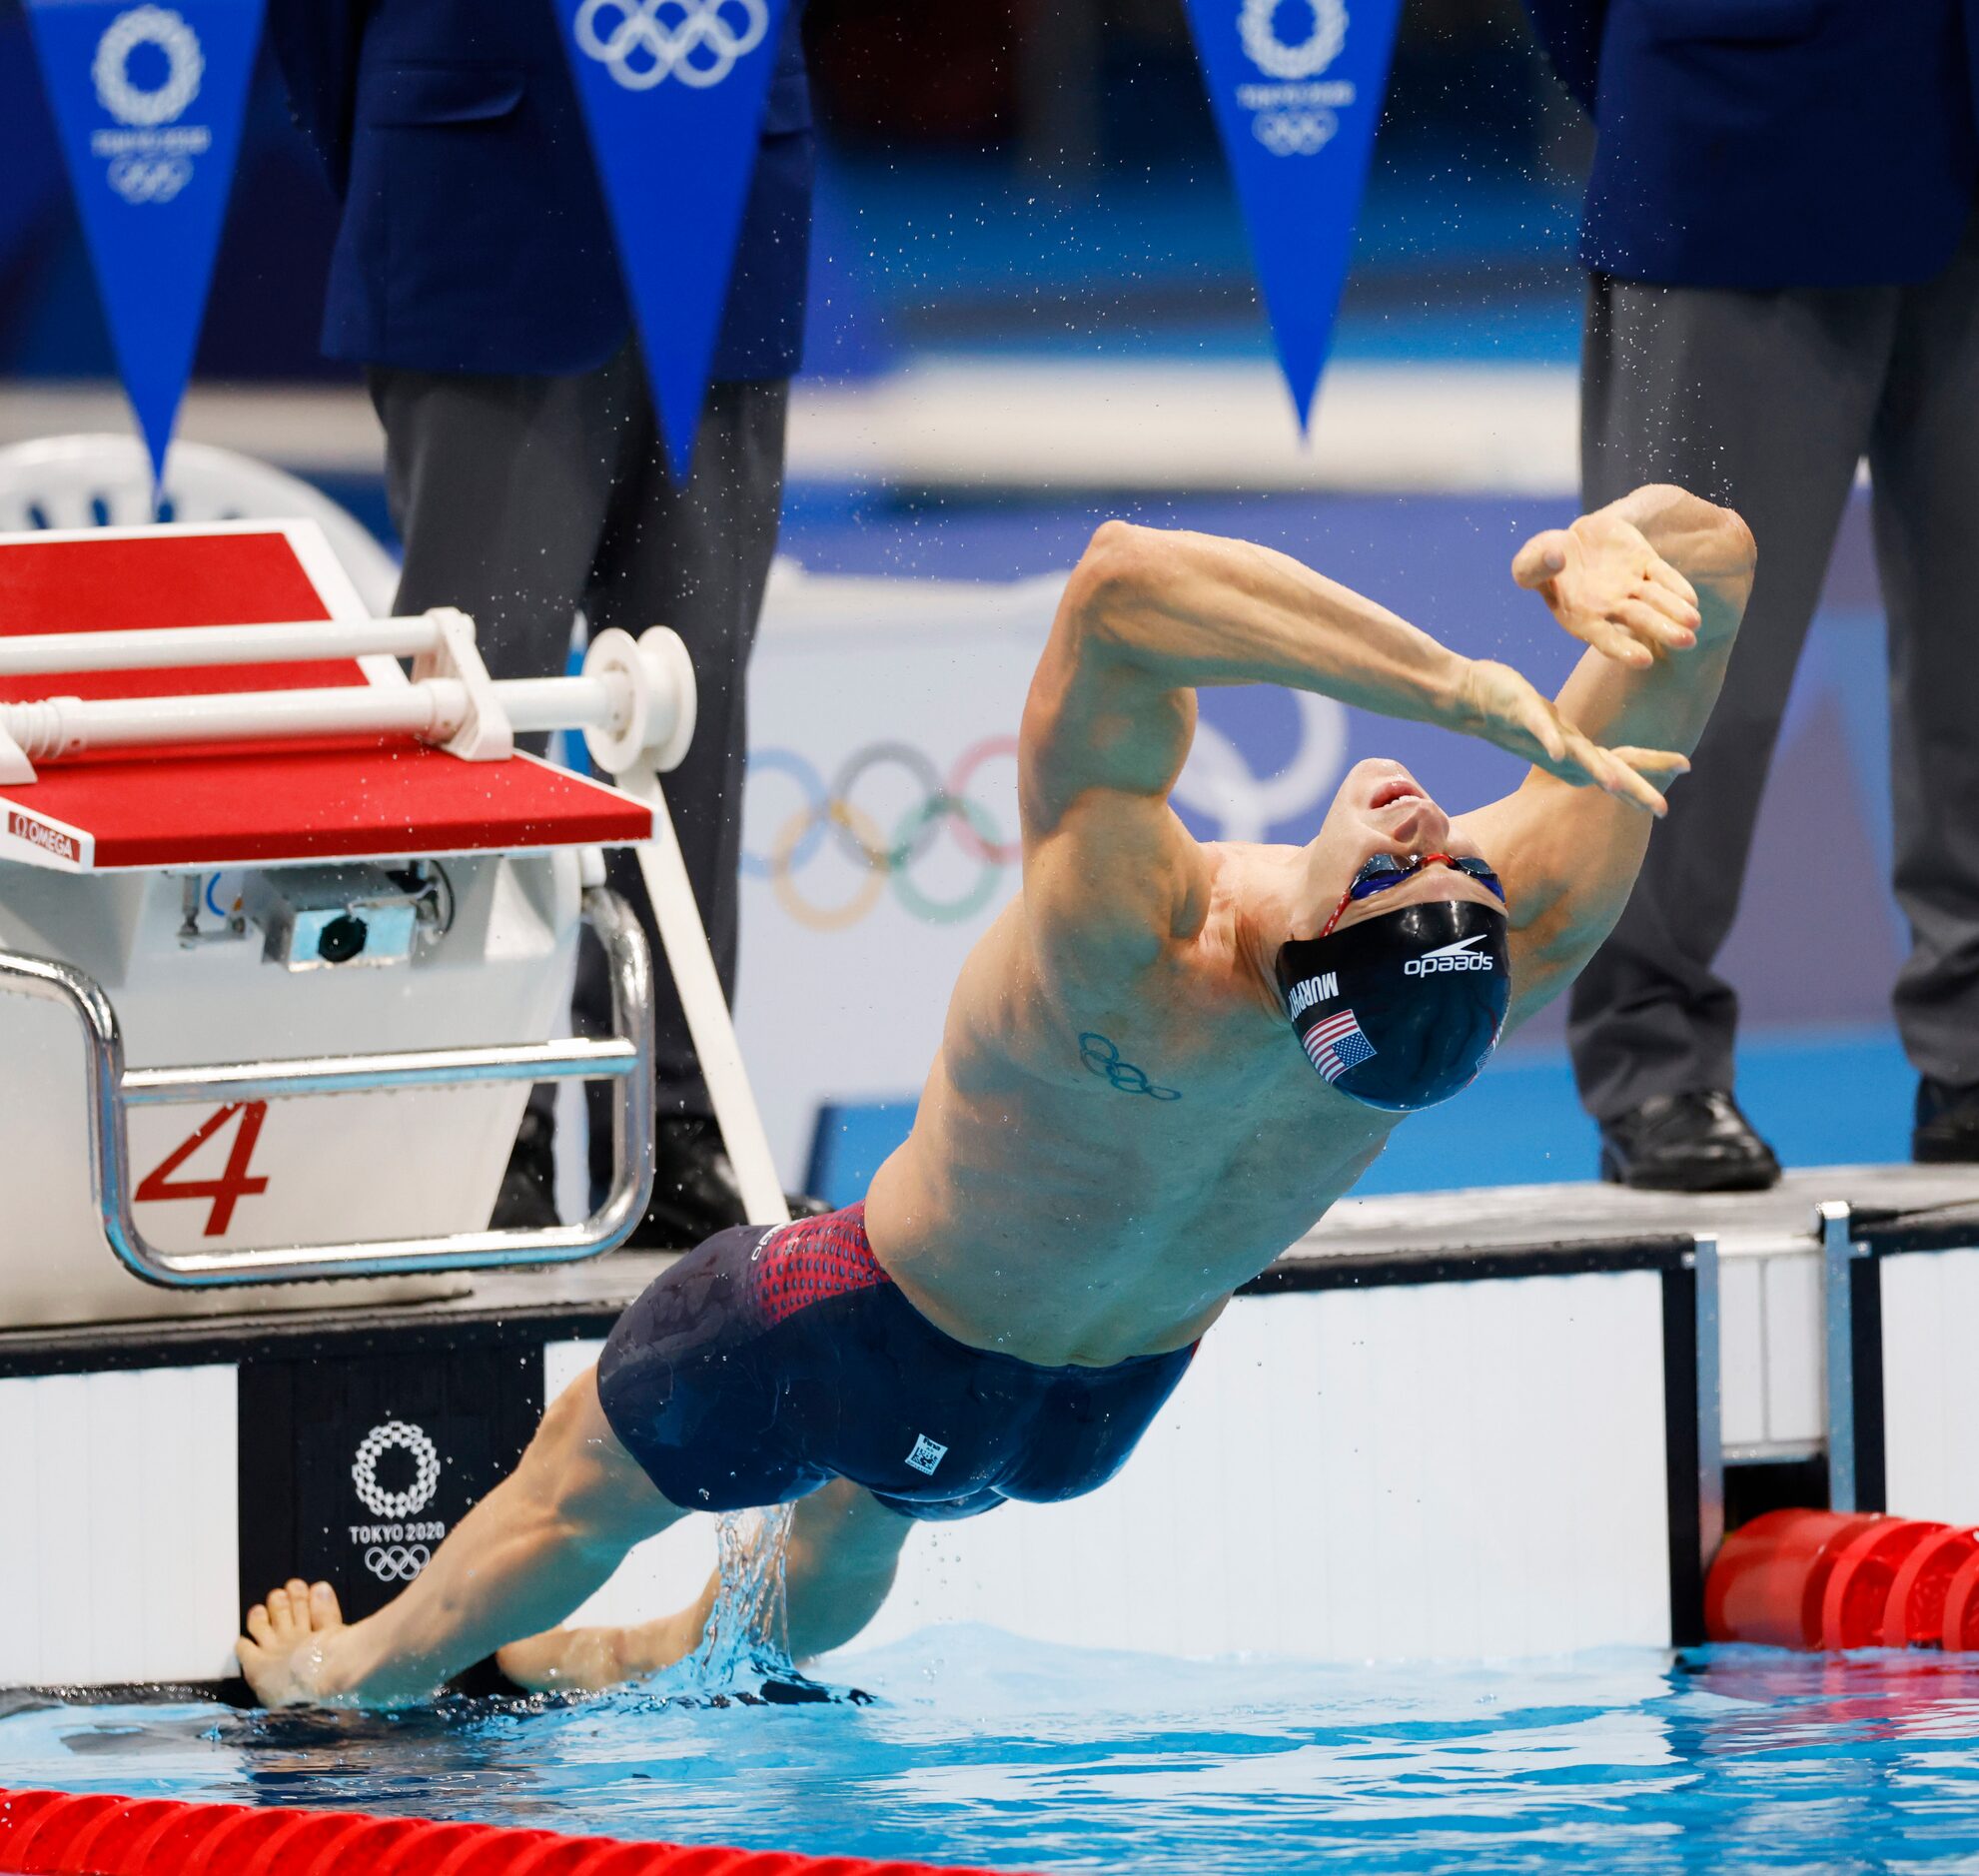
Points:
x=886 y=852
x=397 y=1563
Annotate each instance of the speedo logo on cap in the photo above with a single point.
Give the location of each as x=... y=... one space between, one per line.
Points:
x=1452 y=957
x=40 y=834
x=1313 y=990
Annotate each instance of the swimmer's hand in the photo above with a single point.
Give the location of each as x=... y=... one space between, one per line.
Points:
x=1498 y=704
x=1607 y=587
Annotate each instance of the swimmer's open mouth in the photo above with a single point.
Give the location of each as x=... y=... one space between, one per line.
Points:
x=1401 y=789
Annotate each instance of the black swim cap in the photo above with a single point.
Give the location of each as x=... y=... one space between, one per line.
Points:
x=1401 y=1011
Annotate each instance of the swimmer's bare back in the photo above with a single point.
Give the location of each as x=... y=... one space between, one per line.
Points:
x=1121 y=1127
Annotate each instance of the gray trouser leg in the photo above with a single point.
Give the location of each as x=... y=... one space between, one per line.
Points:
x=697 y=560
x=500 y=488
x=521 y=500
x=1924 y=461
x=1764 y=401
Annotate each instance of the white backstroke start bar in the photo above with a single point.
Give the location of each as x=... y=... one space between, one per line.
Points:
x=633 y=698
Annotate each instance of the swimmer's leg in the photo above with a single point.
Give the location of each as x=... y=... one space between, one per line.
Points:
x=844 y=1553
x=844 y=1549
x=524 y=1558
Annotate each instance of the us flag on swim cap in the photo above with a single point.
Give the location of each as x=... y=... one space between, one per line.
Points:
x=1337 y=1043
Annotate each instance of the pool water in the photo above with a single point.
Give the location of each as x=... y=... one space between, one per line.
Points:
x=979 y=1748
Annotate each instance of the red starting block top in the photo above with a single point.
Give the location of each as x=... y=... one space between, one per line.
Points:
x=379 y=798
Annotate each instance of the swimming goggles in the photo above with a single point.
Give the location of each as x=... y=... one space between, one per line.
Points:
x=1379 y=871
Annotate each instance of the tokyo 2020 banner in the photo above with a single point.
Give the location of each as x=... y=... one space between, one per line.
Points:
x=1297 y=86
x=673 y=94
x=148 y=102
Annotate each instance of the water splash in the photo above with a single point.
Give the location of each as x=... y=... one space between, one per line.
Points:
x=747 y=1638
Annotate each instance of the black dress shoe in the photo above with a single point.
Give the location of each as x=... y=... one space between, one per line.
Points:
x=528 y=1199
x=695 y=1190
x=1947 y=1130
x=1696 y=1142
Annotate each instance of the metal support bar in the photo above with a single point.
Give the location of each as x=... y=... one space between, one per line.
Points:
x=112 y=1091
x=574 y=1060
x=709 y=1025
x=1837 y=1251
x=1711 y=1428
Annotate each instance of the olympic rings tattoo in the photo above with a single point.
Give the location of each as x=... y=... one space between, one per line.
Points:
x=882 y=855
x=1101 y=1056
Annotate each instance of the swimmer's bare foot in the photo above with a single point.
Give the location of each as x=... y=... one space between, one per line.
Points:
x=281 y=1655
x=587 y=1660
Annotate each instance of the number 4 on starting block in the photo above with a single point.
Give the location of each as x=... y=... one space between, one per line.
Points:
x=233 y=1185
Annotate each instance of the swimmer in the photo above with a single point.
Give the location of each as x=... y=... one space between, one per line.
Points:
x=1160 y=1065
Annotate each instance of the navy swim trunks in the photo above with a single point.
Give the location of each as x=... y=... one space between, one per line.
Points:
x=774 y=1359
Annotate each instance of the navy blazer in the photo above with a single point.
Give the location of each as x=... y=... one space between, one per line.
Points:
x=1771 y=143
x=474 y=234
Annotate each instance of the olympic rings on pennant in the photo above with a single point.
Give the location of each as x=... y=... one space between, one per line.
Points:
x=636 y=33
x=149 y=178
x=832 y=816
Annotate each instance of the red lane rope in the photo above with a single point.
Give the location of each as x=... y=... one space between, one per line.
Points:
x=58 y=1833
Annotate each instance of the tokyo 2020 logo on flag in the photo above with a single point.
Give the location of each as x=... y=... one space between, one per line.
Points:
x=673 y=94
x=148 y=102
x=1297 y=87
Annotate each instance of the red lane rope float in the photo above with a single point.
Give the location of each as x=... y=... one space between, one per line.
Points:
x=59 y=1833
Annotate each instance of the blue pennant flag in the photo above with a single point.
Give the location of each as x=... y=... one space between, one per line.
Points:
x=1297 y=86
x=148 y=101
x=673 y=93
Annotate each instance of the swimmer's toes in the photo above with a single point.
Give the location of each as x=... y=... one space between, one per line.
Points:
x=260 y=1630
x=282 y=1615
x=324 y=1611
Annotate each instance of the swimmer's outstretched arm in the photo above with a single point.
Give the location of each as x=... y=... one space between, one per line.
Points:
x=1148 y=616
x=523 y=1558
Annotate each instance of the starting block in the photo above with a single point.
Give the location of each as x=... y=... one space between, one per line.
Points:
x=286 y=935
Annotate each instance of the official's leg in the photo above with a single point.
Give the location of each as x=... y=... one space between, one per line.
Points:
x=1764 y=400
x=697 y=560
x=1924 y=461
x=528 y=1554
x=499 y=488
